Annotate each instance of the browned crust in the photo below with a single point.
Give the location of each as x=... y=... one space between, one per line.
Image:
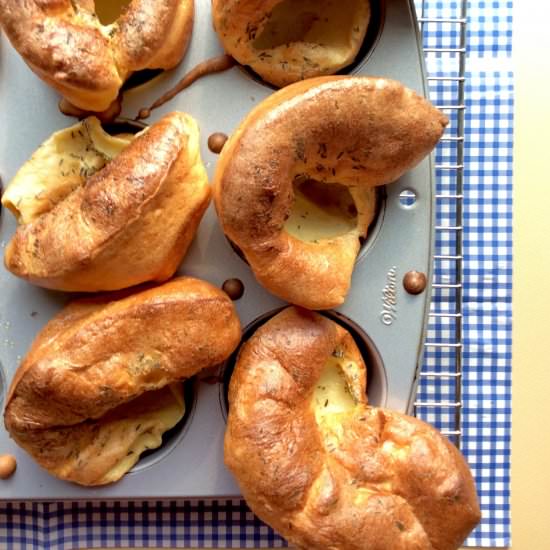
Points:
x=240 y=22
x=153 y=34
x=357 y=131
x=416 y=489
x=98 y=354
x=62 y=43
x=117 y=236
x=58 y=49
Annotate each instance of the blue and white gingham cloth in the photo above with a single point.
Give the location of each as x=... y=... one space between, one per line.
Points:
x=487 y=277
x=486 y=327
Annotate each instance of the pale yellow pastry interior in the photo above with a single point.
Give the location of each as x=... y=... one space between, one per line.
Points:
x=59 y=166
x=328 y=210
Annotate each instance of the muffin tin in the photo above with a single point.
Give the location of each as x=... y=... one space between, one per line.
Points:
x=388 y=323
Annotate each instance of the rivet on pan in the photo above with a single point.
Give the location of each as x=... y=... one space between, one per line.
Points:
x=234 y=288
x=216 y=142
x=414 y=282
x=8 y=465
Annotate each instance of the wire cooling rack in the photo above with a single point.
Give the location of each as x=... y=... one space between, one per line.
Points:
x=439 y=399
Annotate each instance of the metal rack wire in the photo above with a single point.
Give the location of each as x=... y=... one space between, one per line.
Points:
x=444 y=408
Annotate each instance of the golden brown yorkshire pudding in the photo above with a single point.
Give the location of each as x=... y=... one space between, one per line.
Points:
x=294 y=184
x=101 y=382
x=320 y=465
x=90 y=226
x=289 y=40
x=67 y=46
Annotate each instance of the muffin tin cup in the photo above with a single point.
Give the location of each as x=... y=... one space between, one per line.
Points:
x=377 y=308
x=374 y=31
x=377 y=387
x=173 y=437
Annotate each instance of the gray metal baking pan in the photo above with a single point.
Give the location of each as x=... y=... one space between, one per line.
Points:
x=389 y=323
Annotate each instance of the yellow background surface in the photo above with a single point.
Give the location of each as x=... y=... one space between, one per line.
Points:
x=531 y=360
x=531 y=295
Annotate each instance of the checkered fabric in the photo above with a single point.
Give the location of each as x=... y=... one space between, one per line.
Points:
x=478 y=313
x=484 y=320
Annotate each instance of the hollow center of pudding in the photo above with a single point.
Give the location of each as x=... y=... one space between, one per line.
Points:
x=320 y=211
x=323 y=22
x=108 y=11
x=332 y=395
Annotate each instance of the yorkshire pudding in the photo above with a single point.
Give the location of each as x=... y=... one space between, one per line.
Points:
x=101 y=382
x=320 y=465
x=289 y=40
x=65 y=44
x=89 y=224
x=282 y=165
